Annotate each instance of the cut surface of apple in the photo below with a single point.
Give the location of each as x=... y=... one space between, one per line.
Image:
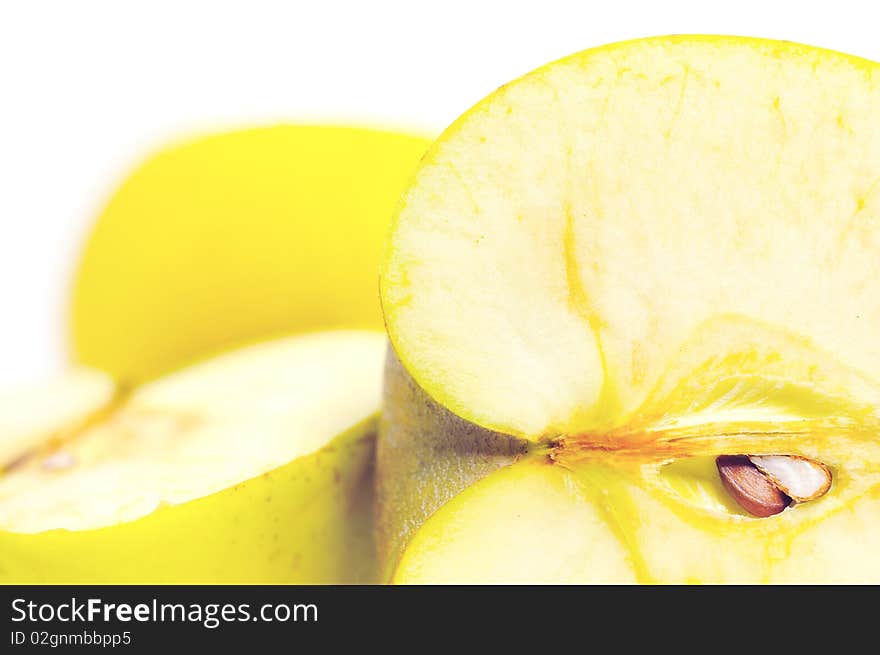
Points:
x=75 y=399
x=636 y=260
x=604 y=523
x=253 y=466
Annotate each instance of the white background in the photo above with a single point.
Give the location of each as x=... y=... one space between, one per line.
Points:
x=89 y=87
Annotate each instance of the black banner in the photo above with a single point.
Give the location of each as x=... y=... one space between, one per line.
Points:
x=155 y=619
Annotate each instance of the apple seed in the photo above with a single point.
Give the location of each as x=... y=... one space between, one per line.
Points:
x=750 y=487
x=799 y=478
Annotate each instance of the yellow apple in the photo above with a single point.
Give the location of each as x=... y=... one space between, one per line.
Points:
x=252 y=467
x=235 y=237
x=633 y=301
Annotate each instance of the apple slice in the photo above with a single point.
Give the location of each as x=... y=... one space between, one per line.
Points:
x=652 y=252
x=250 y=467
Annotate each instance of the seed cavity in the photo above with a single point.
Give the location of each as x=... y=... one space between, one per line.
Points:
x=764 y=485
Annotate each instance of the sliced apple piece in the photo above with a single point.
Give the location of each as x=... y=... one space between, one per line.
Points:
x=653 y=252
x=250 y=467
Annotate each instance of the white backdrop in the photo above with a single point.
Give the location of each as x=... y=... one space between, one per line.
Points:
x=87 y=87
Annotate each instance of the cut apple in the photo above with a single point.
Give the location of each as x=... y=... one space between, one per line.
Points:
x=634 y=261
x=251 y=467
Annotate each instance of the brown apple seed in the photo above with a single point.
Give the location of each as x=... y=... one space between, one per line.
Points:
x=750 y=488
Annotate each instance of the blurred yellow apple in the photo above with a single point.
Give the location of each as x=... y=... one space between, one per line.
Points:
x=251 y=467
x=235 y=237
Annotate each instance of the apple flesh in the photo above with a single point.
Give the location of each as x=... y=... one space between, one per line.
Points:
x=252 y=467
x=74 y=399
x=631 y=262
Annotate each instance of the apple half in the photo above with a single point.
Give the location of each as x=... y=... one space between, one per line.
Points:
x=252 y=467
x=633 y=302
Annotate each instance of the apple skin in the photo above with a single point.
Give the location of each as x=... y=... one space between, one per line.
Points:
x=424 y=457
x=235 y=237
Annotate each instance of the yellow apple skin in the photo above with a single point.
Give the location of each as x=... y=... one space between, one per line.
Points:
x=235 y=237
